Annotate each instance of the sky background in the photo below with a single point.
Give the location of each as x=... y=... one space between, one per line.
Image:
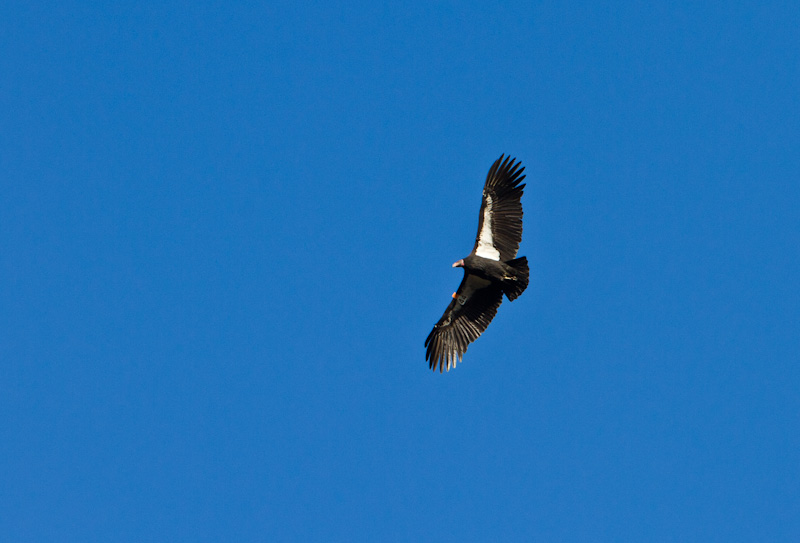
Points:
x=225 y=232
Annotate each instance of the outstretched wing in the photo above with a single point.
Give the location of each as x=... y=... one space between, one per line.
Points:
x=473 y=307
x=500 y=223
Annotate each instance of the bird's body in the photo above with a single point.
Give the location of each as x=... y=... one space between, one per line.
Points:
x=510 y=275
x=490 y=270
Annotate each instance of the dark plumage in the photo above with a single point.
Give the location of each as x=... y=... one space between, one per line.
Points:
x=490 y=270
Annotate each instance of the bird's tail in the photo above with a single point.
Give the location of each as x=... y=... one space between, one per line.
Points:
x=517 y=281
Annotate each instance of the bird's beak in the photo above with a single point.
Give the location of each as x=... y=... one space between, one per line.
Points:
x=459 y=264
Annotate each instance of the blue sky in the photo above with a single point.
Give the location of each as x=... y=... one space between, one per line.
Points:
x=225 y=232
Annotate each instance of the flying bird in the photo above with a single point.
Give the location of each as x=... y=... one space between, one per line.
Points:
x=490 y=270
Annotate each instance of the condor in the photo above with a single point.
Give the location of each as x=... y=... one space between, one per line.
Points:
x=490 y=270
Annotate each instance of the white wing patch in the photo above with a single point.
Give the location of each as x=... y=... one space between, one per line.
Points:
x=486 y=247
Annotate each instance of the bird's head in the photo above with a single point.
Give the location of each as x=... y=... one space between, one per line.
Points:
x=459 y=264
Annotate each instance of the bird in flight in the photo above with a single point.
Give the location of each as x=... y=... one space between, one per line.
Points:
x=490 y=270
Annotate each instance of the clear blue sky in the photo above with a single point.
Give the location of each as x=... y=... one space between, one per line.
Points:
x=225 y=233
